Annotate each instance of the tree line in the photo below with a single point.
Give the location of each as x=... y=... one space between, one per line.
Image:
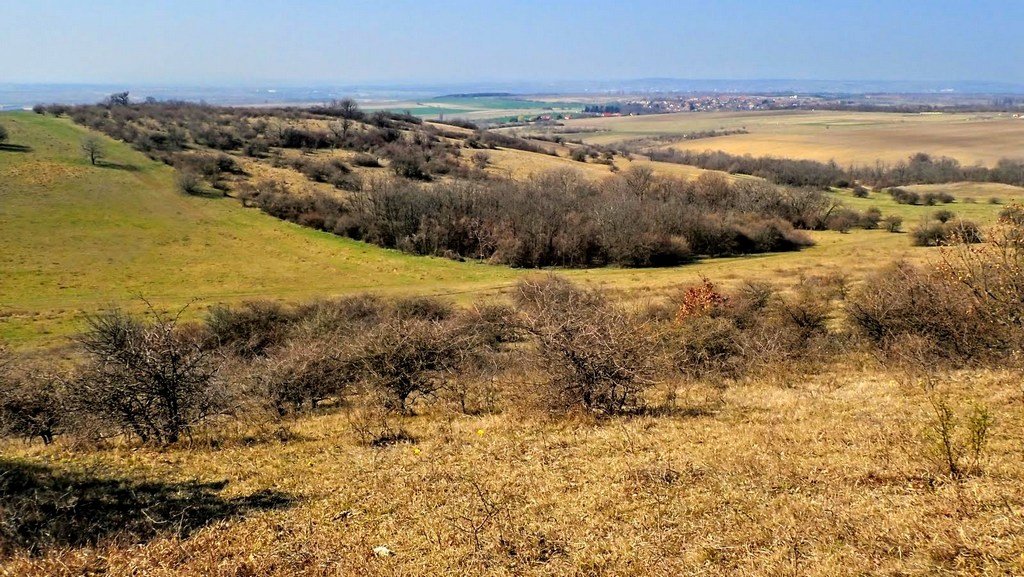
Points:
x=919 y=168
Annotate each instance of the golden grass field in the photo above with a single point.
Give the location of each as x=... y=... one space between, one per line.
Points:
x=859 y=138
x=825 y=475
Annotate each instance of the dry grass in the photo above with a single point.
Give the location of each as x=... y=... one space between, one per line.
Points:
x=518 y=164
x=830 y=475
x=979 y=191
x=846 y=137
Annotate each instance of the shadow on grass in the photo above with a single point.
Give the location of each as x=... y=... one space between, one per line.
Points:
x=15 y=148
x=208 y=193
x=117 y=166
x=43 y=508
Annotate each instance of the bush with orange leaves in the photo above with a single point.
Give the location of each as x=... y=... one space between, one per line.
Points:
x=701 y=300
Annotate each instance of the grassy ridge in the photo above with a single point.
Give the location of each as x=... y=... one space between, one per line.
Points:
x=76 y=237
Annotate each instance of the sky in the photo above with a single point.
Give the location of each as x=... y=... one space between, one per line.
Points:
x=210 y=42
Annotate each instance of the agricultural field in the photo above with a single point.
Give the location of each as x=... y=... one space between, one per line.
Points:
x=859 y=138
x=478 y=108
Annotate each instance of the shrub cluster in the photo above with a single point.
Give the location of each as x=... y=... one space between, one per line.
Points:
x=488 y=139
x=904 y=196
x=943 y=230
x=561 y=219
x=164 y=130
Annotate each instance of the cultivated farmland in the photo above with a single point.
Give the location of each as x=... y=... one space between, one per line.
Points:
x=860 y=138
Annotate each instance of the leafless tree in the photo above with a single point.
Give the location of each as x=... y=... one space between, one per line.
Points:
x=408 y=358
x=118 y=99
x=92 y=146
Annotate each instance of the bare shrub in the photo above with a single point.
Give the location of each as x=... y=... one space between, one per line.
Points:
x=366 y=160
x=340 y=317
x=480 y=160
x=424 y=308
x=957 y=433
x=707 y=346
x=843 y=220
x=892 y=223
x=931 y=233
x=190 y=182
x=150 y=380
x=31 y=401
x=903 y=302
x=804 y=315
x=249 y=329
x=405 y=359
x=870 y=218
x=958 y=437
x=598 y=356
x=492 y=324
x=302 y=374
x=993 y=275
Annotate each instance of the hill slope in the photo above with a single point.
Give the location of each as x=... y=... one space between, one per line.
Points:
x=74 y=237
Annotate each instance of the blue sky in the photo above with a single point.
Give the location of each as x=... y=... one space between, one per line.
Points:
x=221 y=42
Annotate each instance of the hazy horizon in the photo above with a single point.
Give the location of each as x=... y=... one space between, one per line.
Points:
x=233 y=43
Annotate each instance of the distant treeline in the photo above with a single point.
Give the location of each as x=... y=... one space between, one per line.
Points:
x=602 y=109
x=920 y=168
x=1006 y=104
x=635 y=143
x=562 y=219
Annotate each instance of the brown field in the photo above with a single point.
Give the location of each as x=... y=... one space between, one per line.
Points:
x=518 y=164
x=847 y=137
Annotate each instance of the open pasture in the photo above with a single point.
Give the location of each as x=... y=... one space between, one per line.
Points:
x=75 y=237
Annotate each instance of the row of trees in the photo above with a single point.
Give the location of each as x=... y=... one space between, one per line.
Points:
x=920 y=168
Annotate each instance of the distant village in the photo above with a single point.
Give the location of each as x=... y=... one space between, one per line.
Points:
x=701 y=103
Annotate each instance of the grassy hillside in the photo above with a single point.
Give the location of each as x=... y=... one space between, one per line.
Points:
x=76 y=237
